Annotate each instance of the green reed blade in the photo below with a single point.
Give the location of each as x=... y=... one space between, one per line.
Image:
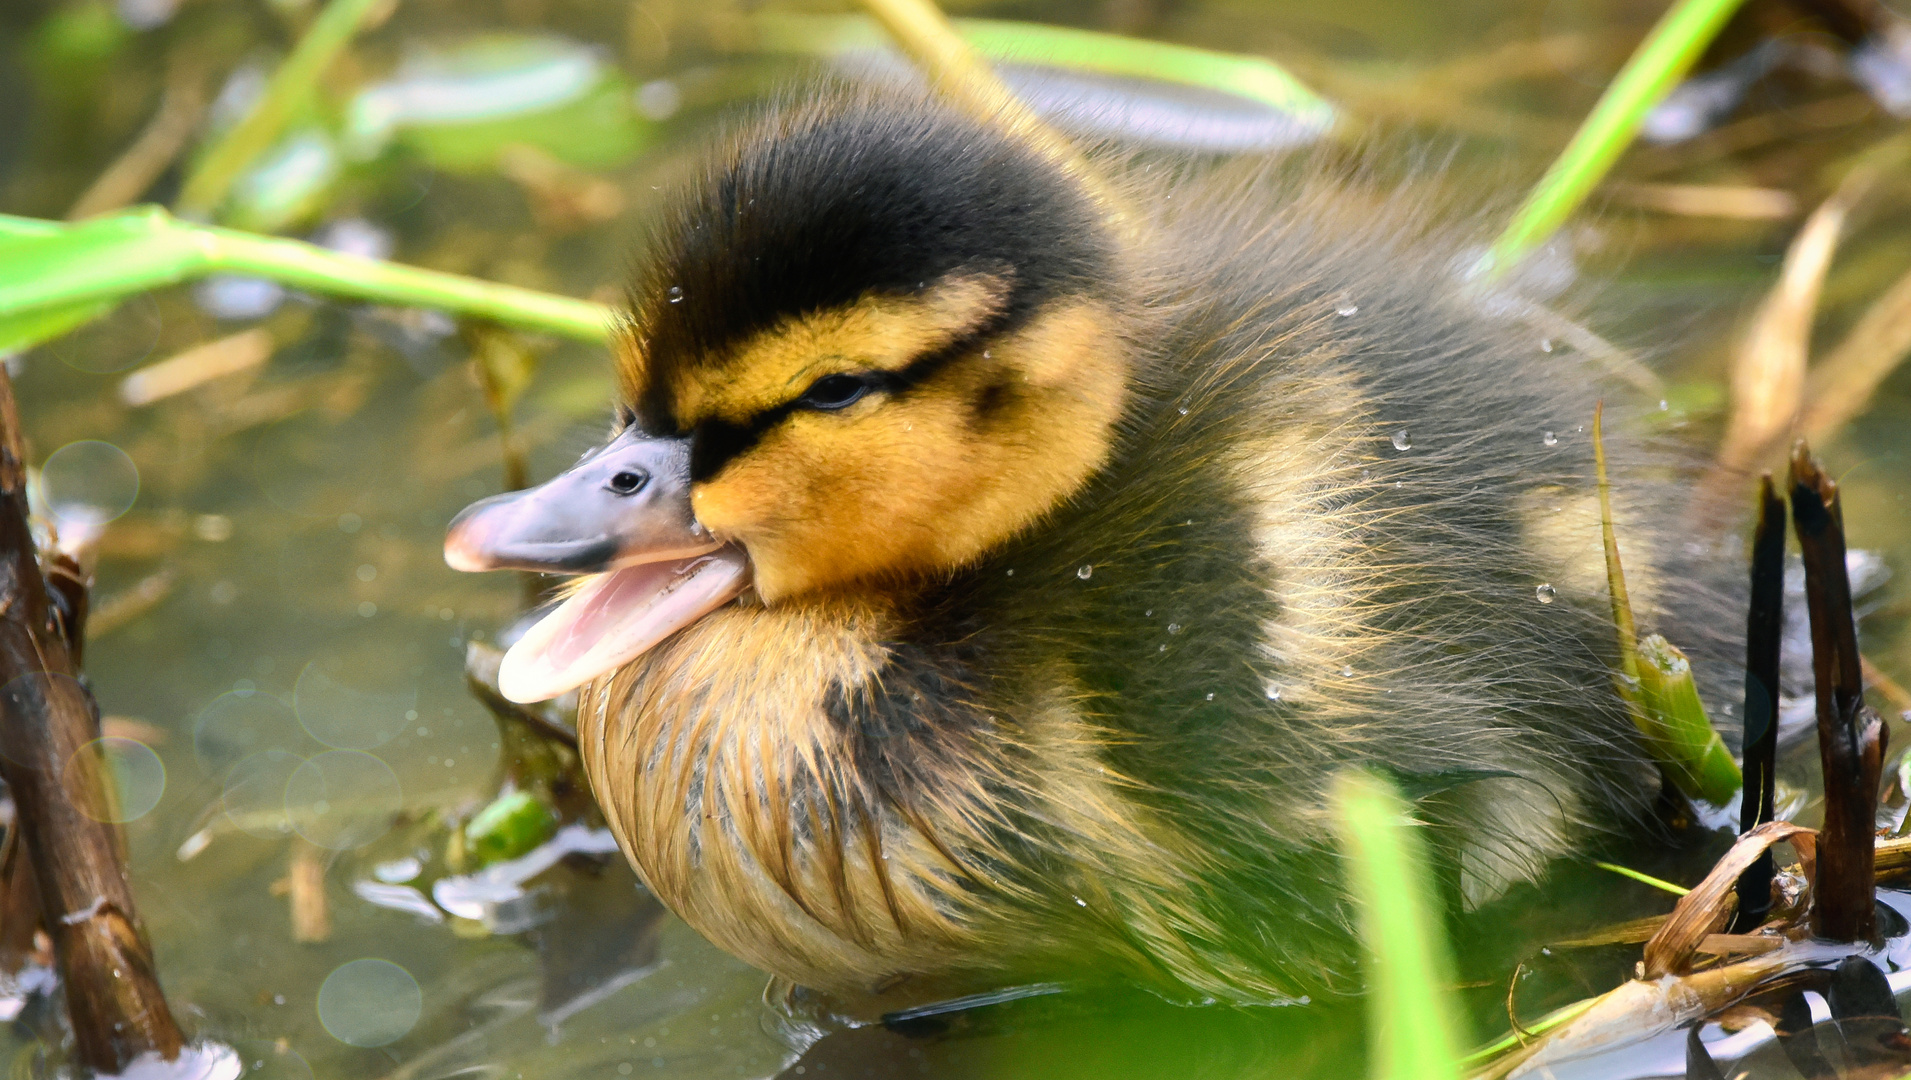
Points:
x=1252 y=77
x=1655 y=679
x=290 y=87
x=1410 y=1010
x=1661 y=60
x=107 y=258
x=1643 y=878
x=23 y=331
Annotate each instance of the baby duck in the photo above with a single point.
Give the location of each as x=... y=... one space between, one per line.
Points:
x=986 y=584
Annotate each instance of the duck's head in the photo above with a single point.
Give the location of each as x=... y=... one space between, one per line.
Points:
x=871 y=342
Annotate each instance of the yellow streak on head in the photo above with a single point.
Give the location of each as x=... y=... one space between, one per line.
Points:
x=899 y=486
x=876 y=333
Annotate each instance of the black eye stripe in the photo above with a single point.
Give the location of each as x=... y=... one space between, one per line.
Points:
x=715 y=443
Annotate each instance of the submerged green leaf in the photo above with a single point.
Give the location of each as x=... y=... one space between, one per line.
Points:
x=511 y=825
x=1410 y=1008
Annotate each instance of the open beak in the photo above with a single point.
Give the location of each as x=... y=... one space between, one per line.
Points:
x=623 y=514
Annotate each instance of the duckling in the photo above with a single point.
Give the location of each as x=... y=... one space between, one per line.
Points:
x=981 y=584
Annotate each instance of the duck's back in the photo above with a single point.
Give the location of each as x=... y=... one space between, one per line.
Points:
x=1352 y=521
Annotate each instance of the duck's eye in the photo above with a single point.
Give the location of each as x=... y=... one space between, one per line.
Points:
x=627 y=482
x=834 y=392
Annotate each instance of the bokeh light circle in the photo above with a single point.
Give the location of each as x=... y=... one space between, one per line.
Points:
x=348 y=717
x=369 y=1002
x=255 y=792
x=115 y=342
x=343 y=799
x=88 y=483
x=134 y=779
x=241 y=723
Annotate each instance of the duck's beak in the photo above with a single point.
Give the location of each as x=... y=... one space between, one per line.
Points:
x=622 y=513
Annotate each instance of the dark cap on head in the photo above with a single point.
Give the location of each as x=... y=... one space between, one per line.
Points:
x=822 y=203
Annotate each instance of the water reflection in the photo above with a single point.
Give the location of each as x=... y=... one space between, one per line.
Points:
x=255 y=792
x=348 y=717
x=342 y=799
x=240 y=723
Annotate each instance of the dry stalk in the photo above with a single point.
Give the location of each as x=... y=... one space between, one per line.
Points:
x=1768 y=369
x=1703 y=912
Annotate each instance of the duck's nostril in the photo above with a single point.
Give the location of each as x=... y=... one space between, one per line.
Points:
x=627 y=482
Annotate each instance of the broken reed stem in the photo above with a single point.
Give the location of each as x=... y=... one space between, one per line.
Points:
x=1764 y=626
x=48 y=723
x=1851 y=738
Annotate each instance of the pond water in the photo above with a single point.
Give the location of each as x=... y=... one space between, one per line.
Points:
x=279 y=641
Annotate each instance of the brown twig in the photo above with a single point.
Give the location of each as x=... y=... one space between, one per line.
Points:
x=1851 y=737
x=1764 y=626
x=57 y=777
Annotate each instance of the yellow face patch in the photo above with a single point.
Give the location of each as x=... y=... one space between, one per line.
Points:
x=877 y=333
x=914 y=479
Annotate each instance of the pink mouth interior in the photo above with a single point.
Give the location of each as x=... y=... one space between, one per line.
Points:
x=617 y=617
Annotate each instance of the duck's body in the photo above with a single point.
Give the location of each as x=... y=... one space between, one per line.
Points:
x=1117 y=552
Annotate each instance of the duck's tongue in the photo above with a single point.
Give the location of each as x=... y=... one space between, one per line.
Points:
x=615 y=618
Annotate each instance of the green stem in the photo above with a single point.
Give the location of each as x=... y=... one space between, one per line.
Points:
x=292 y=84
x=1667 y=53
x=109 y=257
x=1643 y=878
x=1409 y=975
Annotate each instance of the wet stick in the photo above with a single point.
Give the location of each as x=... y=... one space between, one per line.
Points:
x=52 y=765
x=1850 y=736
x=1764 y=625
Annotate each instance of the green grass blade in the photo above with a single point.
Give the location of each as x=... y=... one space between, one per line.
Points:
x=1643 y=878
x=1661 y=60
x=107 y=258
x=1410 y=1010
x=290 y=87
x=1251 y=77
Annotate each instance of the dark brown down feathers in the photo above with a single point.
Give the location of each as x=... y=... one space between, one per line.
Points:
x=1092 y=564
